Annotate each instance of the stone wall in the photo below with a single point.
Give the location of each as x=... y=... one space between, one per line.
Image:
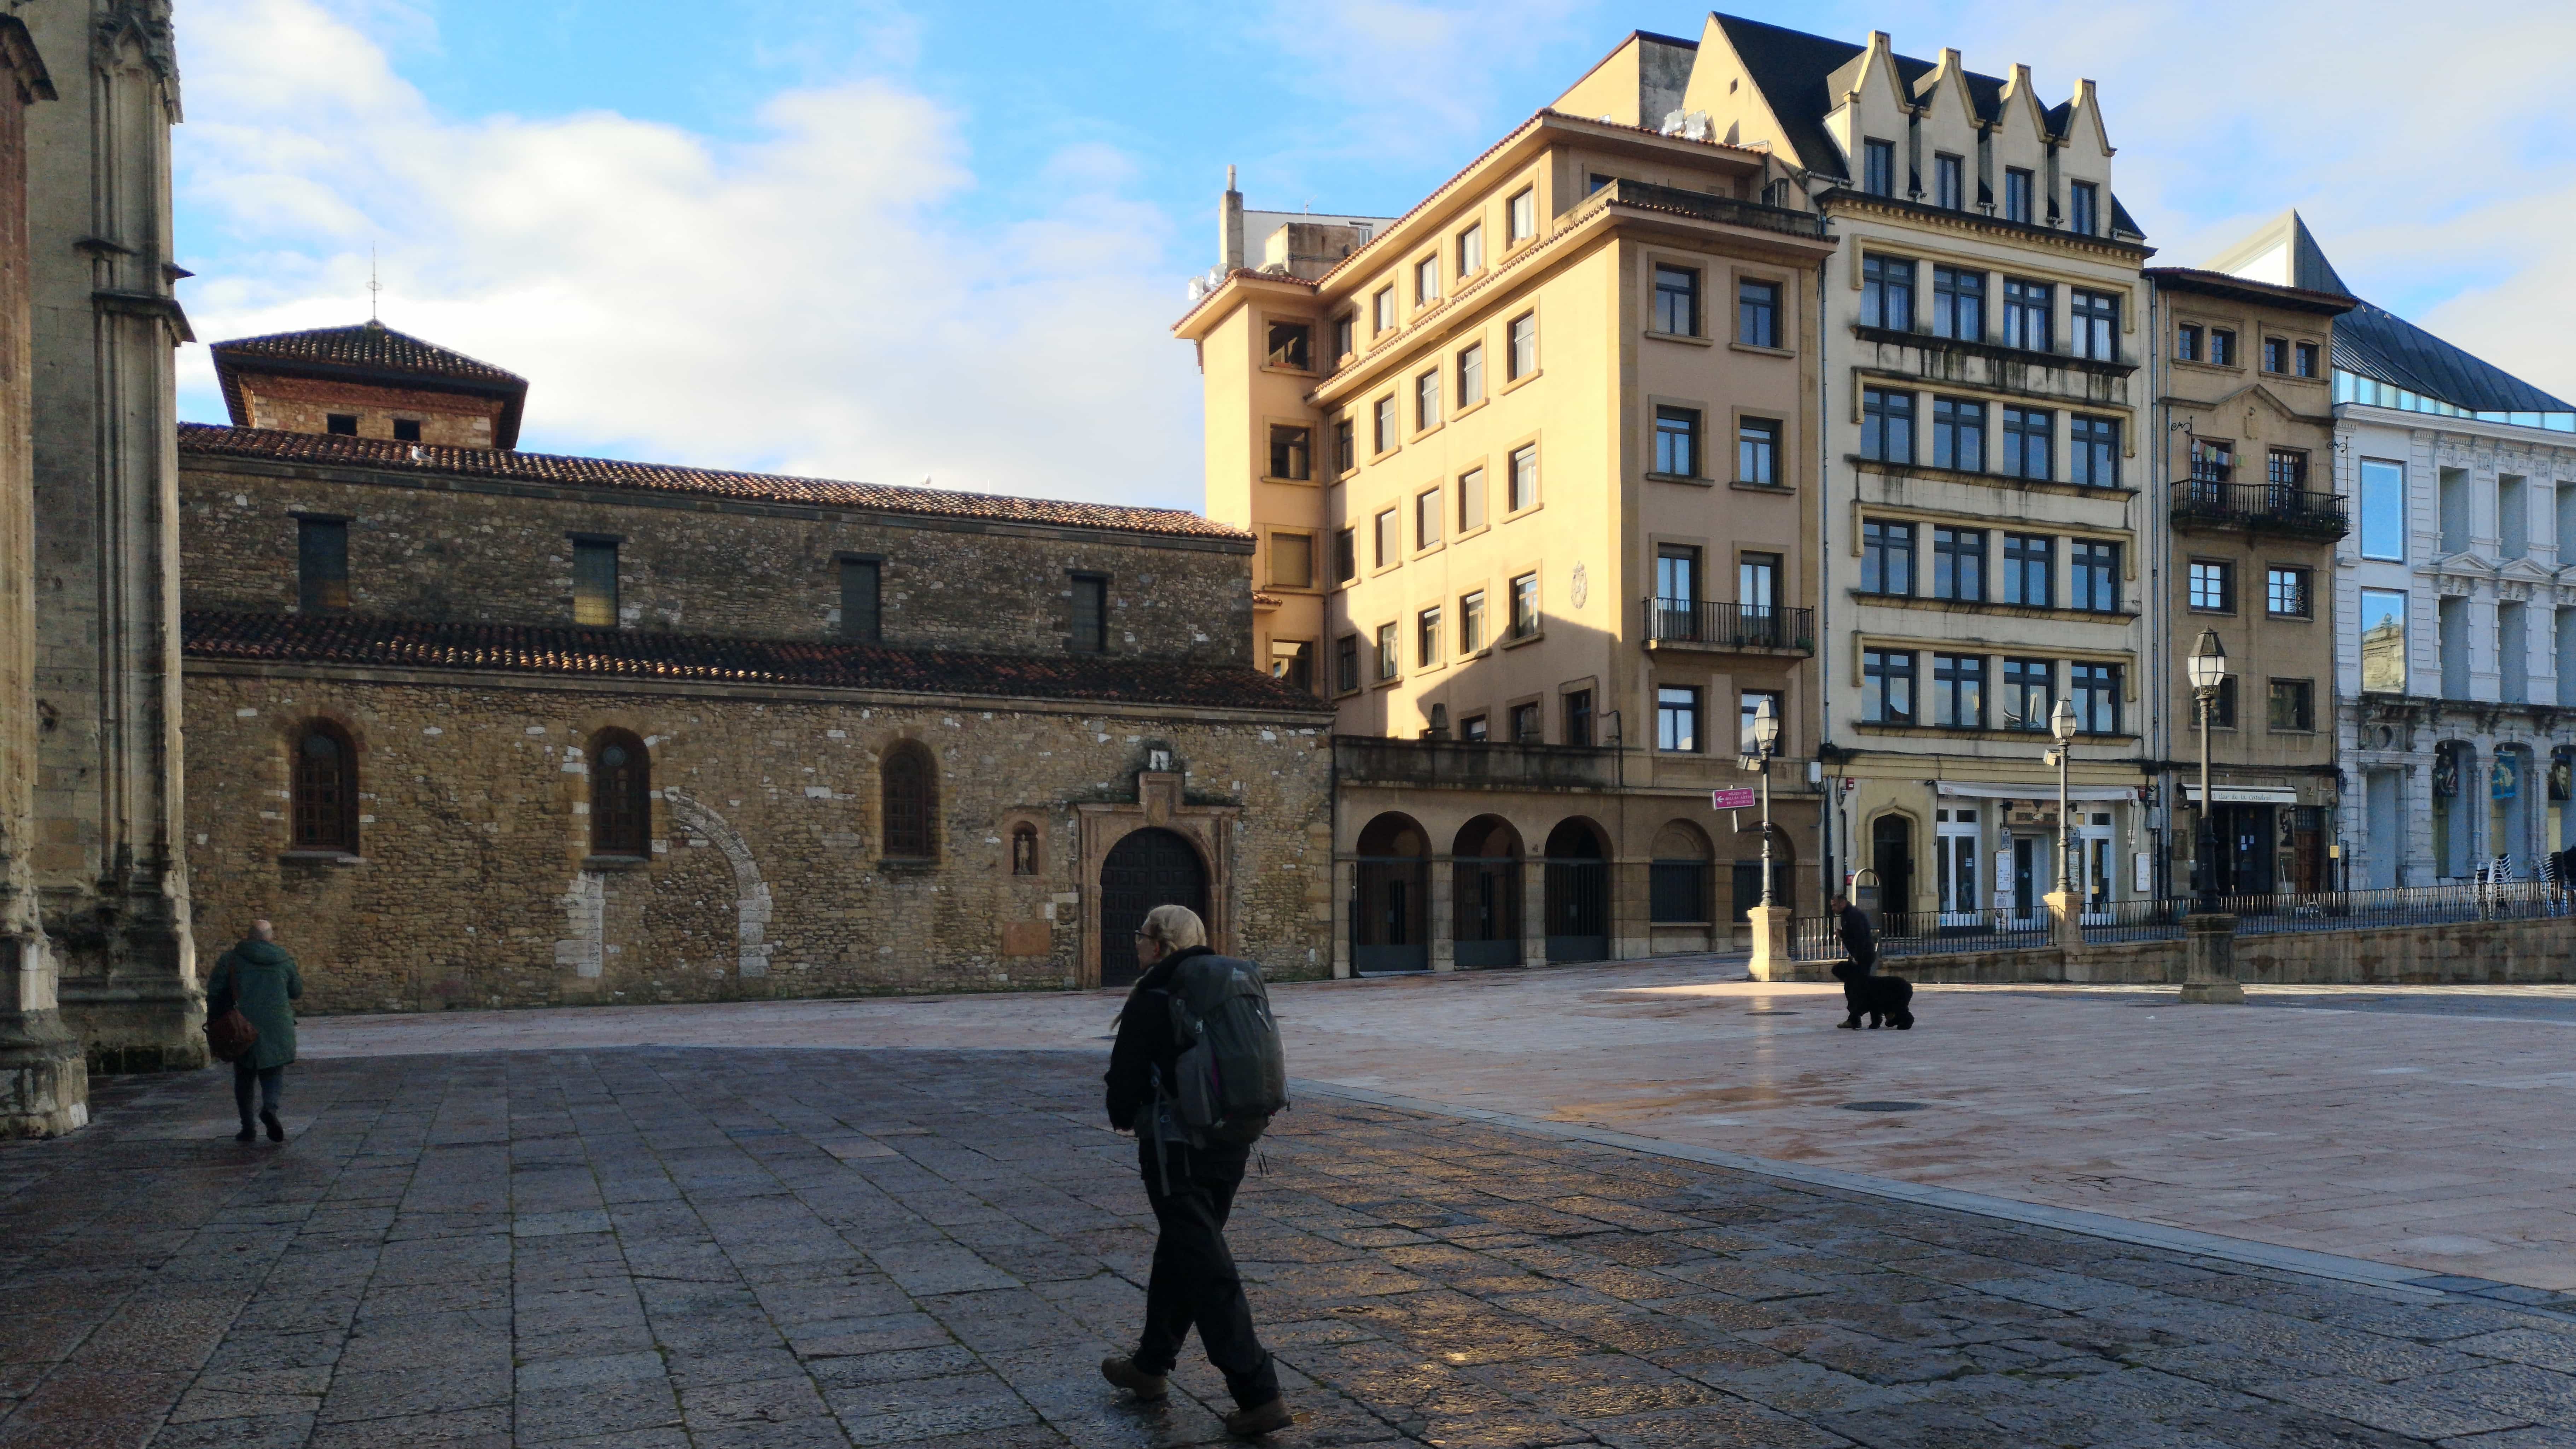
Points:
x=429 y=546
x=471 y=884
x=305 y=405
x=2465 y=953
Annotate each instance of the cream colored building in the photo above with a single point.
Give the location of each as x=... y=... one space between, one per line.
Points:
x=1983 y=524
x=1533 y=474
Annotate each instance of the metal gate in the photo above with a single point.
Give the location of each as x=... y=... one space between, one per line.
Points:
x=1578 y=910
x=1147 y=869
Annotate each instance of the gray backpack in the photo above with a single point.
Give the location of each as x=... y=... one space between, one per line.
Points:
x=1233 y=1074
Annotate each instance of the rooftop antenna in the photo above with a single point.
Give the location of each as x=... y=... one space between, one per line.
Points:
x=375 y=288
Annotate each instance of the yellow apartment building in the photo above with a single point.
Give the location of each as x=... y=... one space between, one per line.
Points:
x=2245 y=393
x=1533 y=471
x=1986 y=532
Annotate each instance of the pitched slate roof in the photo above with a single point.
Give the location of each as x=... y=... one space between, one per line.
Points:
x=1799 y=74
x=206 y=440
x=369 y=352
x=2380 y=344
x=2373 y=342
x=1791 y=67
x=357 y=641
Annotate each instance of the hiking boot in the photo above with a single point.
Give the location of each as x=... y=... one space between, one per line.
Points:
x=1259 y=1419
x=1848 y=1023
x=246 y=1134
x=1124 y=1373
x=276 y=1129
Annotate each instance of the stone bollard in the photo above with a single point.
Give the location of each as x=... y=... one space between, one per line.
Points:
x=2065 y=919
x=1770 y=942
x=2209 y=961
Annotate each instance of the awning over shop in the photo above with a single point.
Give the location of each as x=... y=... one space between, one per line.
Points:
x=2244 y=795
x=2037 y=792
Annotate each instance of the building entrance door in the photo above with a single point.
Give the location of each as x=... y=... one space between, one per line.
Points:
x=1891 y=855
x=1147 y=869
x=2029 y=859
x=1955 y=862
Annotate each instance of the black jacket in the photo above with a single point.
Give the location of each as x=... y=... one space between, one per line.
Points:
x=1145 y=1041
x=1858 y=943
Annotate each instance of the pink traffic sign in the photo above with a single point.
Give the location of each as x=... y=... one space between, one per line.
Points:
x=1731 y=800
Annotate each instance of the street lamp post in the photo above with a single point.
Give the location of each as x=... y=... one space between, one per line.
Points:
x=2061 y=723
x=1766 y=743
x=2208 y=667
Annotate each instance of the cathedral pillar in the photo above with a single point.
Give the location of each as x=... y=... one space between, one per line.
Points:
x=44 y=1084
x=113 y=881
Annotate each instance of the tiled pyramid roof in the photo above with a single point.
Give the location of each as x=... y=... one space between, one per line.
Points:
x=369 y=352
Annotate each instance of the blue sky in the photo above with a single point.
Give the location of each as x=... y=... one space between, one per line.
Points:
x=894 y=242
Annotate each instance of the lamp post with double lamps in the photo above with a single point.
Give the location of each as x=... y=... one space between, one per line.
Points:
x=1766 y=743
x=2208 y=666
x=2061 y=723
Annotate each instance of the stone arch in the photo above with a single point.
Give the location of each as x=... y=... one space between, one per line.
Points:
x=1485 y=893
x=1578 y=891
x=1390 y=921
x=751 y=893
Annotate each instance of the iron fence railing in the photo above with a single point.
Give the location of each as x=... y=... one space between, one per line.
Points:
x=1923 y=933
x=2139 y=920
x=2271 y=505
x=1729 y=626
x=2510 y=900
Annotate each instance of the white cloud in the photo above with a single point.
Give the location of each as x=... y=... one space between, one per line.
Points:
x=805 y=300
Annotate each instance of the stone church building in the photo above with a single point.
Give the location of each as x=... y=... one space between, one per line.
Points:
x=97 y=969
x=486 y=727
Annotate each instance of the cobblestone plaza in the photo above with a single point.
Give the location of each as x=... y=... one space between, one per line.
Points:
x=652 y=1245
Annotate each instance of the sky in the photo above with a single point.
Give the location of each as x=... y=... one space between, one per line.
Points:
x=946 y=243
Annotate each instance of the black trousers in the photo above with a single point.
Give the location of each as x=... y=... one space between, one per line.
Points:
x=1194 y=1280
x=269 y=1080
x=1854 y=973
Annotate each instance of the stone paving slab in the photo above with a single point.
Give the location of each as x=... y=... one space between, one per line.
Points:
x=692 y=1247
x=2419 y=1126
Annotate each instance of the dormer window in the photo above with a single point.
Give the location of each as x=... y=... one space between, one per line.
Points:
x=2084 y=208
x=1950 y=182
x=2017 y=193
x=1878 y=167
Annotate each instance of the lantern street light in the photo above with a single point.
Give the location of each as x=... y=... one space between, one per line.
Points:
x=2208 y=668
x=2070 y=877
x=1766 y=743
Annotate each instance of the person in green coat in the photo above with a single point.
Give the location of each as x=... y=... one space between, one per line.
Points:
x=259 y=979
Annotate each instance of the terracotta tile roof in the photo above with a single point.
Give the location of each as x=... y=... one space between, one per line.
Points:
x=371 y=345
x=206 y=440
x=370 y=353
x=357 y=641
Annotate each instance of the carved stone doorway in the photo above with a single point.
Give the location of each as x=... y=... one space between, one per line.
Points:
x=1147 y=868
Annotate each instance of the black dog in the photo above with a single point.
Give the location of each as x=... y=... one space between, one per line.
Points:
x=1886 y=1000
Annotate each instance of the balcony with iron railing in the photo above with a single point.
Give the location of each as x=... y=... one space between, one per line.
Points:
x=1707 y=207
x=1728 y=628
x=1474 y=764
x=2203 y=502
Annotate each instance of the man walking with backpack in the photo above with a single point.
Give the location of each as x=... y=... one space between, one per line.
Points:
x=1192 y=1015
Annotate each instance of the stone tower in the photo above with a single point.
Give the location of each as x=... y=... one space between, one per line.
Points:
x=106 y=861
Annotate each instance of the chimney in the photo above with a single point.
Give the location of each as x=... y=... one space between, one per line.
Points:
x=1229 y=226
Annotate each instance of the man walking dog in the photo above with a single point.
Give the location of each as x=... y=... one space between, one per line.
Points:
x=1195 y=1074
x=1860 y=949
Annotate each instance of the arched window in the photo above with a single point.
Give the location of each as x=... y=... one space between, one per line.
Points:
x=326 y=789
x=621 y=795
x=1024 y=850
x=911 y=783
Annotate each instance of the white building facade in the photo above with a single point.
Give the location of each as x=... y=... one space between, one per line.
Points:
x=2455 y=596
